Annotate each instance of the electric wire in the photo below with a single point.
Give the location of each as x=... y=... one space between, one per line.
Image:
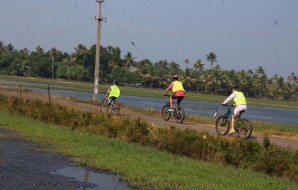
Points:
x=44 y=10
x=126 y=36
x=59 y=31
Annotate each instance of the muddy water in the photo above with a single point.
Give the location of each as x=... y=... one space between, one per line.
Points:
x=23 y=167
x=92 y=180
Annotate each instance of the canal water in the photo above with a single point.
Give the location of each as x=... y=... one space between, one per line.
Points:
x=196 y=108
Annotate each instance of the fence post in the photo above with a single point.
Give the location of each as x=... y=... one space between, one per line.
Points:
x=20 y=91
x=49 y=94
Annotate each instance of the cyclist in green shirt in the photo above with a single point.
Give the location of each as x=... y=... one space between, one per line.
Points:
x=240 y=104
x=113 y=92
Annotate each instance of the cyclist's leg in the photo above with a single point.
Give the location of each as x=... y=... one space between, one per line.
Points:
x=109 y=100
x=171 y=100
x=179 y=100
x=236 y=113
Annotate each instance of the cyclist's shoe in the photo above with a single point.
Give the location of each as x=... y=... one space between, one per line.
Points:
x=232 y=131
x=170 y=110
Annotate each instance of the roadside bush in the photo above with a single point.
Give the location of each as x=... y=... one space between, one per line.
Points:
x=266 y=158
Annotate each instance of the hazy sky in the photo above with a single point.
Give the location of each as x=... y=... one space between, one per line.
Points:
x=244 y=34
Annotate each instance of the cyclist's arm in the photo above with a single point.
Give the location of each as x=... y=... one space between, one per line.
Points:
x=169 y=87
x=229 y=98
x=166 y=91
x=107 y=93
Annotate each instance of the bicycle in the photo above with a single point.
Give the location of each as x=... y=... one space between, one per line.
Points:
x=243 y=127
x=109 y=104
x=178 y=112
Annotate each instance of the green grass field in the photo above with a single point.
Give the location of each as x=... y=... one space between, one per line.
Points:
x=139 y=166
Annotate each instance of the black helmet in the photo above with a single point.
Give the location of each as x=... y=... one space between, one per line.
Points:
x=235 y=86
x=175 y=77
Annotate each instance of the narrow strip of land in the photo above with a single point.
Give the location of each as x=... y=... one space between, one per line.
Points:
x=154 y=120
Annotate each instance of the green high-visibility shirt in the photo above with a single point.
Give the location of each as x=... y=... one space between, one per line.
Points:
x=115 y=91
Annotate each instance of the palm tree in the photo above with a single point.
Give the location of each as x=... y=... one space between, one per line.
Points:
x=217 y=67
x=293 y=78
x=9 y=48
x=69 y=60
x=199 y=65
x=259 y=80
x=260 y=71
x=211 y=57
x=53 y=54
x=80 y=51
x=84 y=52
x=129 y=60
x=1 y=47
x=186 y=61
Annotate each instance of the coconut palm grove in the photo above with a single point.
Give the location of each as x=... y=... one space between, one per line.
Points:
x=79 y=65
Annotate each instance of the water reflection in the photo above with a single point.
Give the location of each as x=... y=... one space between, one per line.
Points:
x=93 y=180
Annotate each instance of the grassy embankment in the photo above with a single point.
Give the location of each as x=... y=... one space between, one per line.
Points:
x=261 y=127
x=140 y=166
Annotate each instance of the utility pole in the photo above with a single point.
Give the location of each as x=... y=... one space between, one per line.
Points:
x=97 y=57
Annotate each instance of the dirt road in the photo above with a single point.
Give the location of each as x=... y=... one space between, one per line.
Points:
x=157 y=121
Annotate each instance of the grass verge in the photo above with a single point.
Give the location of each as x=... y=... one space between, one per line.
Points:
x=140 y=166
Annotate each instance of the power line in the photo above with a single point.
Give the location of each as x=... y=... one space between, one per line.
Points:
x=45 y=9
x=62 y=30
x=126 y=36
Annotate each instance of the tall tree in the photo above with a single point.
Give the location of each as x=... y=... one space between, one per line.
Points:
x=211 y=57
x=129 y=60
x=53 y=54
x=84 y=53
x=186 y=61
x=199 y=65
x=293 y=78
x=69 y=60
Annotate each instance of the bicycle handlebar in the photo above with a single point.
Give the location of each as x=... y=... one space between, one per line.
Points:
x=228 y=105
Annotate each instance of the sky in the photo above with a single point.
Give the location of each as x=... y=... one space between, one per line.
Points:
x=244 y=34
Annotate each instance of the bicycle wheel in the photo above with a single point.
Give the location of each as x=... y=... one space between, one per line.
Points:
x=180 y=115
x=115 y=108
x=104 y=105
x=165 y=113
x=222 y=125
x=244 y=128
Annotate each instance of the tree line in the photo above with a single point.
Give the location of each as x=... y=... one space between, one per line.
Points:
x=79 y=65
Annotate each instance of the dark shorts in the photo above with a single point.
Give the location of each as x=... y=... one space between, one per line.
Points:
x=113 y=98
x=179 y=98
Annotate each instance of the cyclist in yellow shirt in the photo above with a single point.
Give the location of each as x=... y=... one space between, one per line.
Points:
x=178 y=92
x=240 y=104
x=113 y=92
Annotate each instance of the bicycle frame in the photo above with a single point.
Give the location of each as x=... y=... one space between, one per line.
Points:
x=242 y=126
x=178 y=112
x=110 y=104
